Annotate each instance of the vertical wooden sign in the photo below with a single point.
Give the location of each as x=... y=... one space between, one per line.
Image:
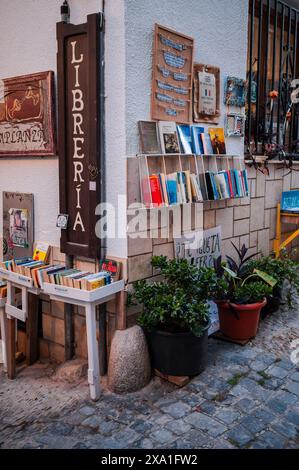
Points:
x=79 y=121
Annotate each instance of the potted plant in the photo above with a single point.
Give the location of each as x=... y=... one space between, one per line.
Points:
x=242 y=294
x=286 y=272
x=175 y=316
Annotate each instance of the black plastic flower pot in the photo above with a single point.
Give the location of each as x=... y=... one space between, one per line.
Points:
x=178 y=354
x=273 y=304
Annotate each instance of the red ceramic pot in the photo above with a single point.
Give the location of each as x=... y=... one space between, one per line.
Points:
x=239 y=321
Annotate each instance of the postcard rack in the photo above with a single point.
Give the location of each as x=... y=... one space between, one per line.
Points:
x=169 y=163
x=89 y=300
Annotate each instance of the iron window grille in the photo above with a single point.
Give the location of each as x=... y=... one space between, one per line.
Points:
x=272 y=65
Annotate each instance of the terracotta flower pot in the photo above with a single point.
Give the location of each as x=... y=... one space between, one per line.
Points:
x=239 y=321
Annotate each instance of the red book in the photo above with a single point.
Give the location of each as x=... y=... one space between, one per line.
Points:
x=230 y=184
x=152 y=185
x=157 y=198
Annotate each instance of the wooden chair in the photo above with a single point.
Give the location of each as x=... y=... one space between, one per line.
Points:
x=285 y=217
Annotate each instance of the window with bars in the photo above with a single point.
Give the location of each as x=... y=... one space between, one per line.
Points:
x=272 y=65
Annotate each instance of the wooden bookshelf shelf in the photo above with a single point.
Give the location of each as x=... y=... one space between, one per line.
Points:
x=161 y=166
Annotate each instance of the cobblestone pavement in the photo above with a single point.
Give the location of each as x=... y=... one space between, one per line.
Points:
x=248 y=397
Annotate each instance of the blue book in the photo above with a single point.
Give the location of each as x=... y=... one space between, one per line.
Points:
x=227 y=182
x=197 y=145
x=172 y=191
x=246 y=182
x=232 y=177
x=215 y=191
x=184 y=132
x=238 y=185
x=290 y=201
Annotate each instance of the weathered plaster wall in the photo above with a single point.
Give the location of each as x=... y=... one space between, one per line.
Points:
x=27 y=45
x=219 y=28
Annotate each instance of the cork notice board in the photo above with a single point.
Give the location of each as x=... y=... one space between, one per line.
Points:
x=18 y=229
x=198 y=115
x=172 y=76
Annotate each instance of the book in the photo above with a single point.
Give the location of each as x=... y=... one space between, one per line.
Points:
x=26 y=271
x=217 y=140
x=77 y=279
x=152 y=191
x=156 y=190
x=3 y=292
x=111 y=266
x=195 y=187
x=184 y=132
x=244 y=172
x=203 y=186
x=197 y=145
x=16 y=262
x=149 y=139
x=51 y=270
x=91 y=278
x=215 y=187
x=233 y=182
x=210 y=189
x=172 y=190
x=182 y=188
x=187 y=183
x=41 y=252
x=229 y=179
x=168 y=137
x=206 y=144
x=163 y=188
x=238 y=183
x=223 y=188
x=34 y=275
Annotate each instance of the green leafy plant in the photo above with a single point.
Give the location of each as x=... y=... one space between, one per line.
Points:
x=240 y=281
x=251 y=292
x=179 y=302
x=282 y=269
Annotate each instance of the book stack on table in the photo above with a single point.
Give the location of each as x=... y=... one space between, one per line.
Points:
x=41 y=272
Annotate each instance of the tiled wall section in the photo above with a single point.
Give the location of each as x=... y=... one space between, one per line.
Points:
x=250 y=220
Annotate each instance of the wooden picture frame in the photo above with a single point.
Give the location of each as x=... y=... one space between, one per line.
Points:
x=235 y=125
x=198 y=116
x=14 y=203
x=27 y=116
x=172 y=76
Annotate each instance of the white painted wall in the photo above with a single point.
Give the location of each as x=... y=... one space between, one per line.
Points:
x=219 y=28
x=27 y=45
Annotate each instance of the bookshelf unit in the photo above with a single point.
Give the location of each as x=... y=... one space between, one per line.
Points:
x=167 y=164
x=218 y=163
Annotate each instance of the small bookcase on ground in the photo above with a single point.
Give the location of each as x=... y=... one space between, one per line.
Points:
x=171 y=179
x=89 y=299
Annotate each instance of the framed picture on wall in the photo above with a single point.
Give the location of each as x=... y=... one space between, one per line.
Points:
x=206 y=89
x=235 y=91
x=27 y=123
x=172 y=76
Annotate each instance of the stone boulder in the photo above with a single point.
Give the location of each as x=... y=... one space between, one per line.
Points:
x=129 y=367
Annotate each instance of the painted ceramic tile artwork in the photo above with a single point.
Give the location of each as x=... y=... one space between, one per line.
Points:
x=235 y=91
